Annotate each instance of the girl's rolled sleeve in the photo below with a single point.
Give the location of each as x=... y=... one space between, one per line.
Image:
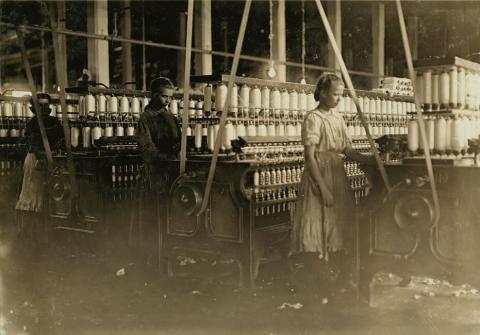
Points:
x=311 y=130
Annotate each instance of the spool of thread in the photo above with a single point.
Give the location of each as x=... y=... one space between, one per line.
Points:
x=466 y=132
x=351 y=129
x=112 y=104
x=347 y=104
x=461 y=92
x=173 y=107
x=468 y=90
x=145 y=102
x=275 y=101
x=290 y=130
x=284 y=101
x=435 y=91
x=90 y=104
x=119 y=130
x=234 y=99
x=456 y=138
x=191 y=108
x=378 y=106
x=448 y=134
x=101 y=104
x=14 y=132
x=228 y=135
x=262 y=130
x=74 y=134
x=251 y=130
x=373 y=107
x=3 y=133
x=430 y=132
x=366 y=105
x=298 y=129
x=7 y=109
x=311 y=102
x=130 y=131
x=198 y=136
x=280 y=129
x=211 y=137
x=29 y=110
x=444 y=95
x=440 y=133
x=18 y=110
x=420 y=87
x=189 y=131
x=86 y=136
x=302 y=101
x=96 y=134
x=135 y=107
x=220 y=96
x=199 y=108
x=108 y=131
x=427 y=90
x=271 y=129
x=293 y=102
x=453 y=74
x=81 y=106
x=240 y=129
x=244 y=98
x=256 y=99
x=207 y=98
x=265 y=98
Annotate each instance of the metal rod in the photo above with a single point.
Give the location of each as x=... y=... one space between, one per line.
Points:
x=186 y=86
x=223 y=118
x=349 y=83
x=144 y=56
x=62 y=83
x=181 y=48
x=31 y=84
x=421 y=124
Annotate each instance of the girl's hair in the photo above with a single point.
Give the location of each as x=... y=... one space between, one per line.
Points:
x=325 y=82
x=159 y=82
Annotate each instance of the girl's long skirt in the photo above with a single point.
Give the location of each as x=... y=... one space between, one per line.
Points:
x=317 y=228
x=32 y=194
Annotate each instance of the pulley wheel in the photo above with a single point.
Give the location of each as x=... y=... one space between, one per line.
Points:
x=414 y=212
x=187 y=198
x=59 y=186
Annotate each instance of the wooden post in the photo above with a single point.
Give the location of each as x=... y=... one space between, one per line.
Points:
x=97 y=23
x=127 y=74
x=334 y=14
x=378 y=39
x=62 y=40
x=279 y=39
x=203 y=37
x=182 y=21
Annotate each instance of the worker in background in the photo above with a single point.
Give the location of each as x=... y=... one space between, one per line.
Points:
x=31 y=201
x=158 y=131
x=323 y=216
x=159 y=137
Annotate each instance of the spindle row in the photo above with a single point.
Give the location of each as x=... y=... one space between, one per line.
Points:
x=445 y=135
x=453 y=87
x=125 y=181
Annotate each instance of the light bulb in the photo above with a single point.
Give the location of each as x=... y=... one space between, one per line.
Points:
x=271 y=73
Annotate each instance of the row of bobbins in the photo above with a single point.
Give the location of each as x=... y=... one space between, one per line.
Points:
x=448 y=88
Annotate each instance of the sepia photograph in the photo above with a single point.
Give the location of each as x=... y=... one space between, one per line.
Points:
x=257 y=167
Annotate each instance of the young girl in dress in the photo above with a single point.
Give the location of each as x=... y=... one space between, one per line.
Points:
x=31 y=201
x=324 y=209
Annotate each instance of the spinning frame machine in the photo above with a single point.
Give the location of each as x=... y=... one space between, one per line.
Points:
x=243 y=207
